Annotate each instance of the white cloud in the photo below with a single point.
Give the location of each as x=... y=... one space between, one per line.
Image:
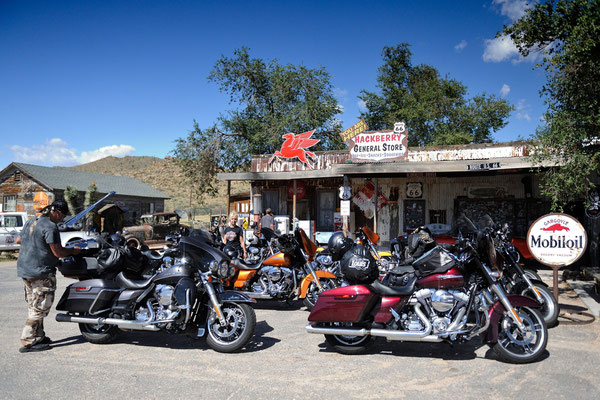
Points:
x=57 y=152
x=513 y=9
x=341 y=94
x=114 y=150
x=523 y=110
x=505 y=90
x=460 y=47
x=340 y=108
x=362 y=106
x=499 y=49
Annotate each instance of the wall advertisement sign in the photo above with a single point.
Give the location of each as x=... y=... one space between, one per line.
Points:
x=556 y=240
x=378 y=146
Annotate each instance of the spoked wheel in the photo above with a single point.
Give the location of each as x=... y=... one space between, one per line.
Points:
x=235 y=332
x=98 y=334
x=522 y=346
x=349 y=344
x=312 y=293
x=531 y=274
x=550 y=308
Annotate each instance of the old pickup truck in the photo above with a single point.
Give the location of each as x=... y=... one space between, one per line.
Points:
x=153 y=228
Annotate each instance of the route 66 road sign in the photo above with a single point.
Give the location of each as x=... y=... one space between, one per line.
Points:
x=414 y=190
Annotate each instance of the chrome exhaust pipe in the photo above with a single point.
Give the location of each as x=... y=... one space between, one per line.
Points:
x=257 y=295
x=121 y=323
x=337 y=331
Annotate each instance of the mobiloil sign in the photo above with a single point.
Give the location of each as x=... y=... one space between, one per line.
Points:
x=557 y=239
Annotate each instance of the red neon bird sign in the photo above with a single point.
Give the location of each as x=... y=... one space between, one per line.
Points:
x=296 y=146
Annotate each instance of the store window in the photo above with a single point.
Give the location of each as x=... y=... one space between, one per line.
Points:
x=326 y=206
x=9 y=203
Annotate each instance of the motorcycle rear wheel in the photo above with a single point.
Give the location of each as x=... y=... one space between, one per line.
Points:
x=348 y=344
x=98 y=334
x=550 y=308
x=312 y=293
x=521 y=347
x=240 y=322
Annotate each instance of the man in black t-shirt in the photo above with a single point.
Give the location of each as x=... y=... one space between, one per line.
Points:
x=234 y=235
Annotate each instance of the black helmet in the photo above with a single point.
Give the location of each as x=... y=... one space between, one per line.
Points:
x=230 y=251
x=339 y=244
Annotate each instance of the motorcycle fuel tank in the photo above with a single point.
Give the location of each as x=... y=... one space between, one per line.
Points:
x=453 y=278
x=344 y=304
x=278 y=260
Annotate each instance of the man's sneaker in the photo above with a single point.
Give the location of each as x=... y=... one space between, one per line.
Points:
x=45 y=340
x=34 y=347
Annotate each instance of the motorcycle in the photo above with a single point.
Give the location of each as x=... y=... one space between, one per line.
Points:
x=184 y=296
x=285 y=275
x=260 y=246
x=440 y=298
x=518 y=281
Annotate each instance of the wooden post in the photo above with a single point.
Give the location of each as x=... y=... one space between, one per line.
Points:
x=345 y=217
x=228 y=196
x=294 y=206
x=375 y=212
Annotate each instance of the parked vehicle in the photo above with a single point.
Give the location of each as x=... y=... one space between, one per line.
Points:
x=260 y=246
x=11 y=224
x=153 y=228
x=440 y=297
x=285 y=275
x=184 y=298
x=518 y=281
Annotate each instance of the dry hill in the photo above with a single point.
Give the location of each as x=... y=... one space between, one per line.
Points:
x=163 y=175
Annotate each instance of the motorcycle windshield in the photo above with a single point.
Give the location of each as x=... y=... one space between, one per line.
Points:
x=199 y=252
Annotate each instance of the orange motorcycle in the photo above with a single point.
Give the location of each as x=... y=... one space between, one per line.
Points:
x=289 y=273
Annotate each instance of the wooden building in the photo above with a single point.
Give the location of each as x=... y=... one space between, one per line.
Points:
x=28 y=188
x=428 y=186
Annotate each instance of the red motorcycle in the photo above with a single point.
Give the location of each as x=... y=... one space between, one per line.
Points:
x=440 y=297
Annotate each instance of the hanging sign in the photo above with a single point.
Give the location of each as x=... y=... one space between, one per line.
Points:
x=354 y=130
x=295 y=146
x=300 y=190
x=345 y=208
x=556 y=240
x=380 y=145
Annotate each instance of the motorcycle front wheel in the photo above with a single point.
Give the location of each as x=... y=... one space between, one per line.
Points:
x=312 y=293
x=550 y=308
x=522 y=346
x=236 y=330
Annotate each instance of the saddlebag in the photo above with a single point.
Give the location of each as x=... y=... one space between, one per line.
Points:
x=400 y=275
x=435 y=261
x=92 y=296
x=78 y=267
x=359 y=266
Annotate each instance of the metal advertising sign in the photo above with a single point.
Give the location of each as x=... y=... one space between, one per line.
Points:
x=354 y=130
x=296 y=146
x=556 y=240
x=379 y=145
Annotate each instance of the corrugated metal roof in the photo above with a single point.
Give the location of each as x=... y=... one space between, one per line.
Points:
x=59 y=178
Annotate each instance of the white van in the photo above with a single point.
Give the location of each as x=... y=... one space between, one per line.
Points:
x=11 y=224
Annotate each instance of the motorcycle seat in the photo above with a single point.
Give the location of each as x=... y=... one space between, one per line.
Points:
x=241 y=265
x=395 y=290
x=127 y=283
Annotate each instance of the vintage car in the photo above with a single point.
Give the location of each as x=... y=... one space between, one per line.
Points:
x=153 y=228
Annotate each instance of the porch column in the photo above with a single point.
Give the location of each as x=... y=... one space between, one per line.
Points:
x=375 y=212
x=228 y=196
x=294 y=206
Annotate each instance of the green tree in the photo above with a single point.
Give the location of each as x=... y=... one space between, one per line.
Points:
x=566 y=33
x=272 y=100
x=435 y=109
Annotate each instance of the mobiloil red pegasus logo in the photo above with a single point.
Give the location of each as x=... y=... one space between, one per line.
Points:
x=296 y=146
x=556 y=227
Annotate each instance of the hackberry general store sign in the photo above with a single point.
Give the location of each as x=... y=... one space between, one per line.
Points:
x=556 y=240
x=380 y=145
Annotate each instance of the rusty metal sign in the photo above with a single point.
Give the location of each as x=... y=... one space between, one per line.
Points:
x=379 y=146
x=556 y=239
x=354 y=130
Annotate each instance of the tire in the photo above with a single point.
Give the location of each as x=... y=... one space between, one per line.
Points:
x=351 y=345
x=521 y=347
x=241 y=322
x=98 y=334
x=550 y=309
x=312 y=293
x=531 y=274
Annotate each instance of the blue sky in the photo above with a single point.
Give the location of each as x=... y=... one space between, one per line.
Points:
x=80 y=80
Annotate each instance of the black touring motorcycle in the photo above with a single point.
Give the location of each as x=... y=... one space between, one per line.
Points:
x=183 y=296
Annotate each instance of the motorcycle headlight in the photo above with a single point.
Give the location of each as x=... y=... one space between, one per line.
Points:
x=223 y=269
x=213 y=266
x=324 y=259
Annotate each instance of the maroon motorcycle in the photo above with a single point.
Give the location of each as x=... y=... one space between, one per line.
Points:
x=442 y=296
